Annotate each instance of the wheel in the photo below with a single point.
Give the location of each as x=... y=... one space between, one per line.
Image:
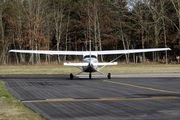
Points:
x=71 y=76
x=109 y=76
x=89 y=75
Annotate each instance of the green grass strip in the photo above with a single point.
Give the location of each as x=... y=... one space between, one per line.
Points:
x=66 y=69
x=12 y=109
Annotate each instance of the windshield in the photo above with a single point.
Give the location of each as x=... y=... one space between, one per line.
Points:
x=88 y=56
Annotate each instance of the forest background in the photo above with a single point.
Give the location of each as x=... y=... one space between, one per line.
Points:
x=69 y=24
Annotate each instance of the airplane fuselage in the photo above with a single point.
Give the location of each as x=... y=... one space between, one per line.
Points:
x=90 y=61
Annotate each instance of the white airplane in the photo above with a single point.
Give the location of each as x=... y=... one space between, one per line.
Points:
x=90 y=62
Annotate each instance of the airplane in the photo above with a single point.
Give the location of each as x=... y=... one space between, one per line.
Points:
x=90 y=58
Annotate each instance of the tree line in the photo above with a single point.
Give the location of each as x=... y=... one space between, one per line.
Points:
x=69 y=24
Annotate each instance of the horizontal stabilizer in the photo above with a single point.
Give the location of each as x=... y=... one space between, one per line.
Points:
x=76 y=64
x=101 y=64
x=86 y=64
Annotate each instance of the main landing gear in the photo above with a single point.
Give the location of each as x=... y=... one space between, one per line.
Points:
x=71 y=76
x=90 y=76
x=109 y=75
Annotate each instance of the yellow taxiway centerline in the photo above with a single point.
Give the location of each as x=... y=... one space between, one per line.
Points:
x=114 y=98
x=141 y=87
x=102 y=99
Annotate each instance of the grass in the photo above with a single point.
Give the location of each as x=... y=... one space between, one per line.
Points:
x=143 y=68
x=132 y=68
x=11 y=109
x=37 y=69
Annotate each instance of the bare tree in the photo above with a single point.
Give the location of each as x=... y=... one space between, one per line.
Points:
x=2 y=42
x=153 y=6
x=59 y=10
x=164 y=26
x=123 y=25
x=176 y=4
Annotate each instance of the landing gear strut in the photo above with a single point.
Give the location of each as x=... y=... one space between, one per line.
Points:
x=90 y=75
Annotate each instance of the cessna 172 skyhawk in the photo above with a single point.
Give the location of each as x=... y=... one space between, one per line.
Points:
x=90 y=62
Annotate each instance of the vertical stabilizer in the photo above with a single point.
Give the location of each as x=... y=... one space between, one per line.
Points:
x=90 y=50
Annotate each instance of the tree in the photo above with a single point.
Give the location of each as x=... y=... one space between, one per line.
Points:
x=2 y=42
x=33 y=37
x=69 y=24
x=7 y=29
x=176 y=5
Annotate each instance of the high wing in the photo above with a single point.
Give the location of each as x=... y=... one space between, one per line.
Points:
x=108 y=52
x=104 y=52
x=49 y=52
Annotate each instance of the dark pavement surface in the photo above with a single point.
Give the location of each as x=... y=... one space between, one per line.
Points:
x=56 y=97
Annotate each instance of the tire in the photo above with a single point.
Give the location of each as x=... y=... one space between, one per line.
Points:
x=71 y=76
x=109 y=76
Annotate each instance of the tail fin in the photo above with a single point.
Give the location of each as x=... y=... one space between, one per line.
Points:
x=90 y=49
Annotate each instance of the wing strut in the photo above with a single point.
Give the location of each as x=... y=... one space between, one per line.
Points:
x=68 y=61
x=111 y=61
x=109 y=74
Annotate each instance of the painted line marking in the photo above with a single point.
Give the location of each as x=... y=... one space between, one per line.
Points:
x=110 y=99
x=102 y=99
x=141 y=87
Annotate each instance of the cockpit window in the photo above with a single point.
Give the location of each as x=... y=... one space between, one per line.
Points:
x=88 y=56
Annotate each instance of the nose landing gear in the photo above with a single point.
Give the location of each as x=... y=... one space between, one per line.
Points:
x=90 y=75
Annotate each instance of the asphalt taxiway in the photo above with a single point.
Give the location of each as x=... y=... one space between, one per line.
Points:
x=124 y=97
